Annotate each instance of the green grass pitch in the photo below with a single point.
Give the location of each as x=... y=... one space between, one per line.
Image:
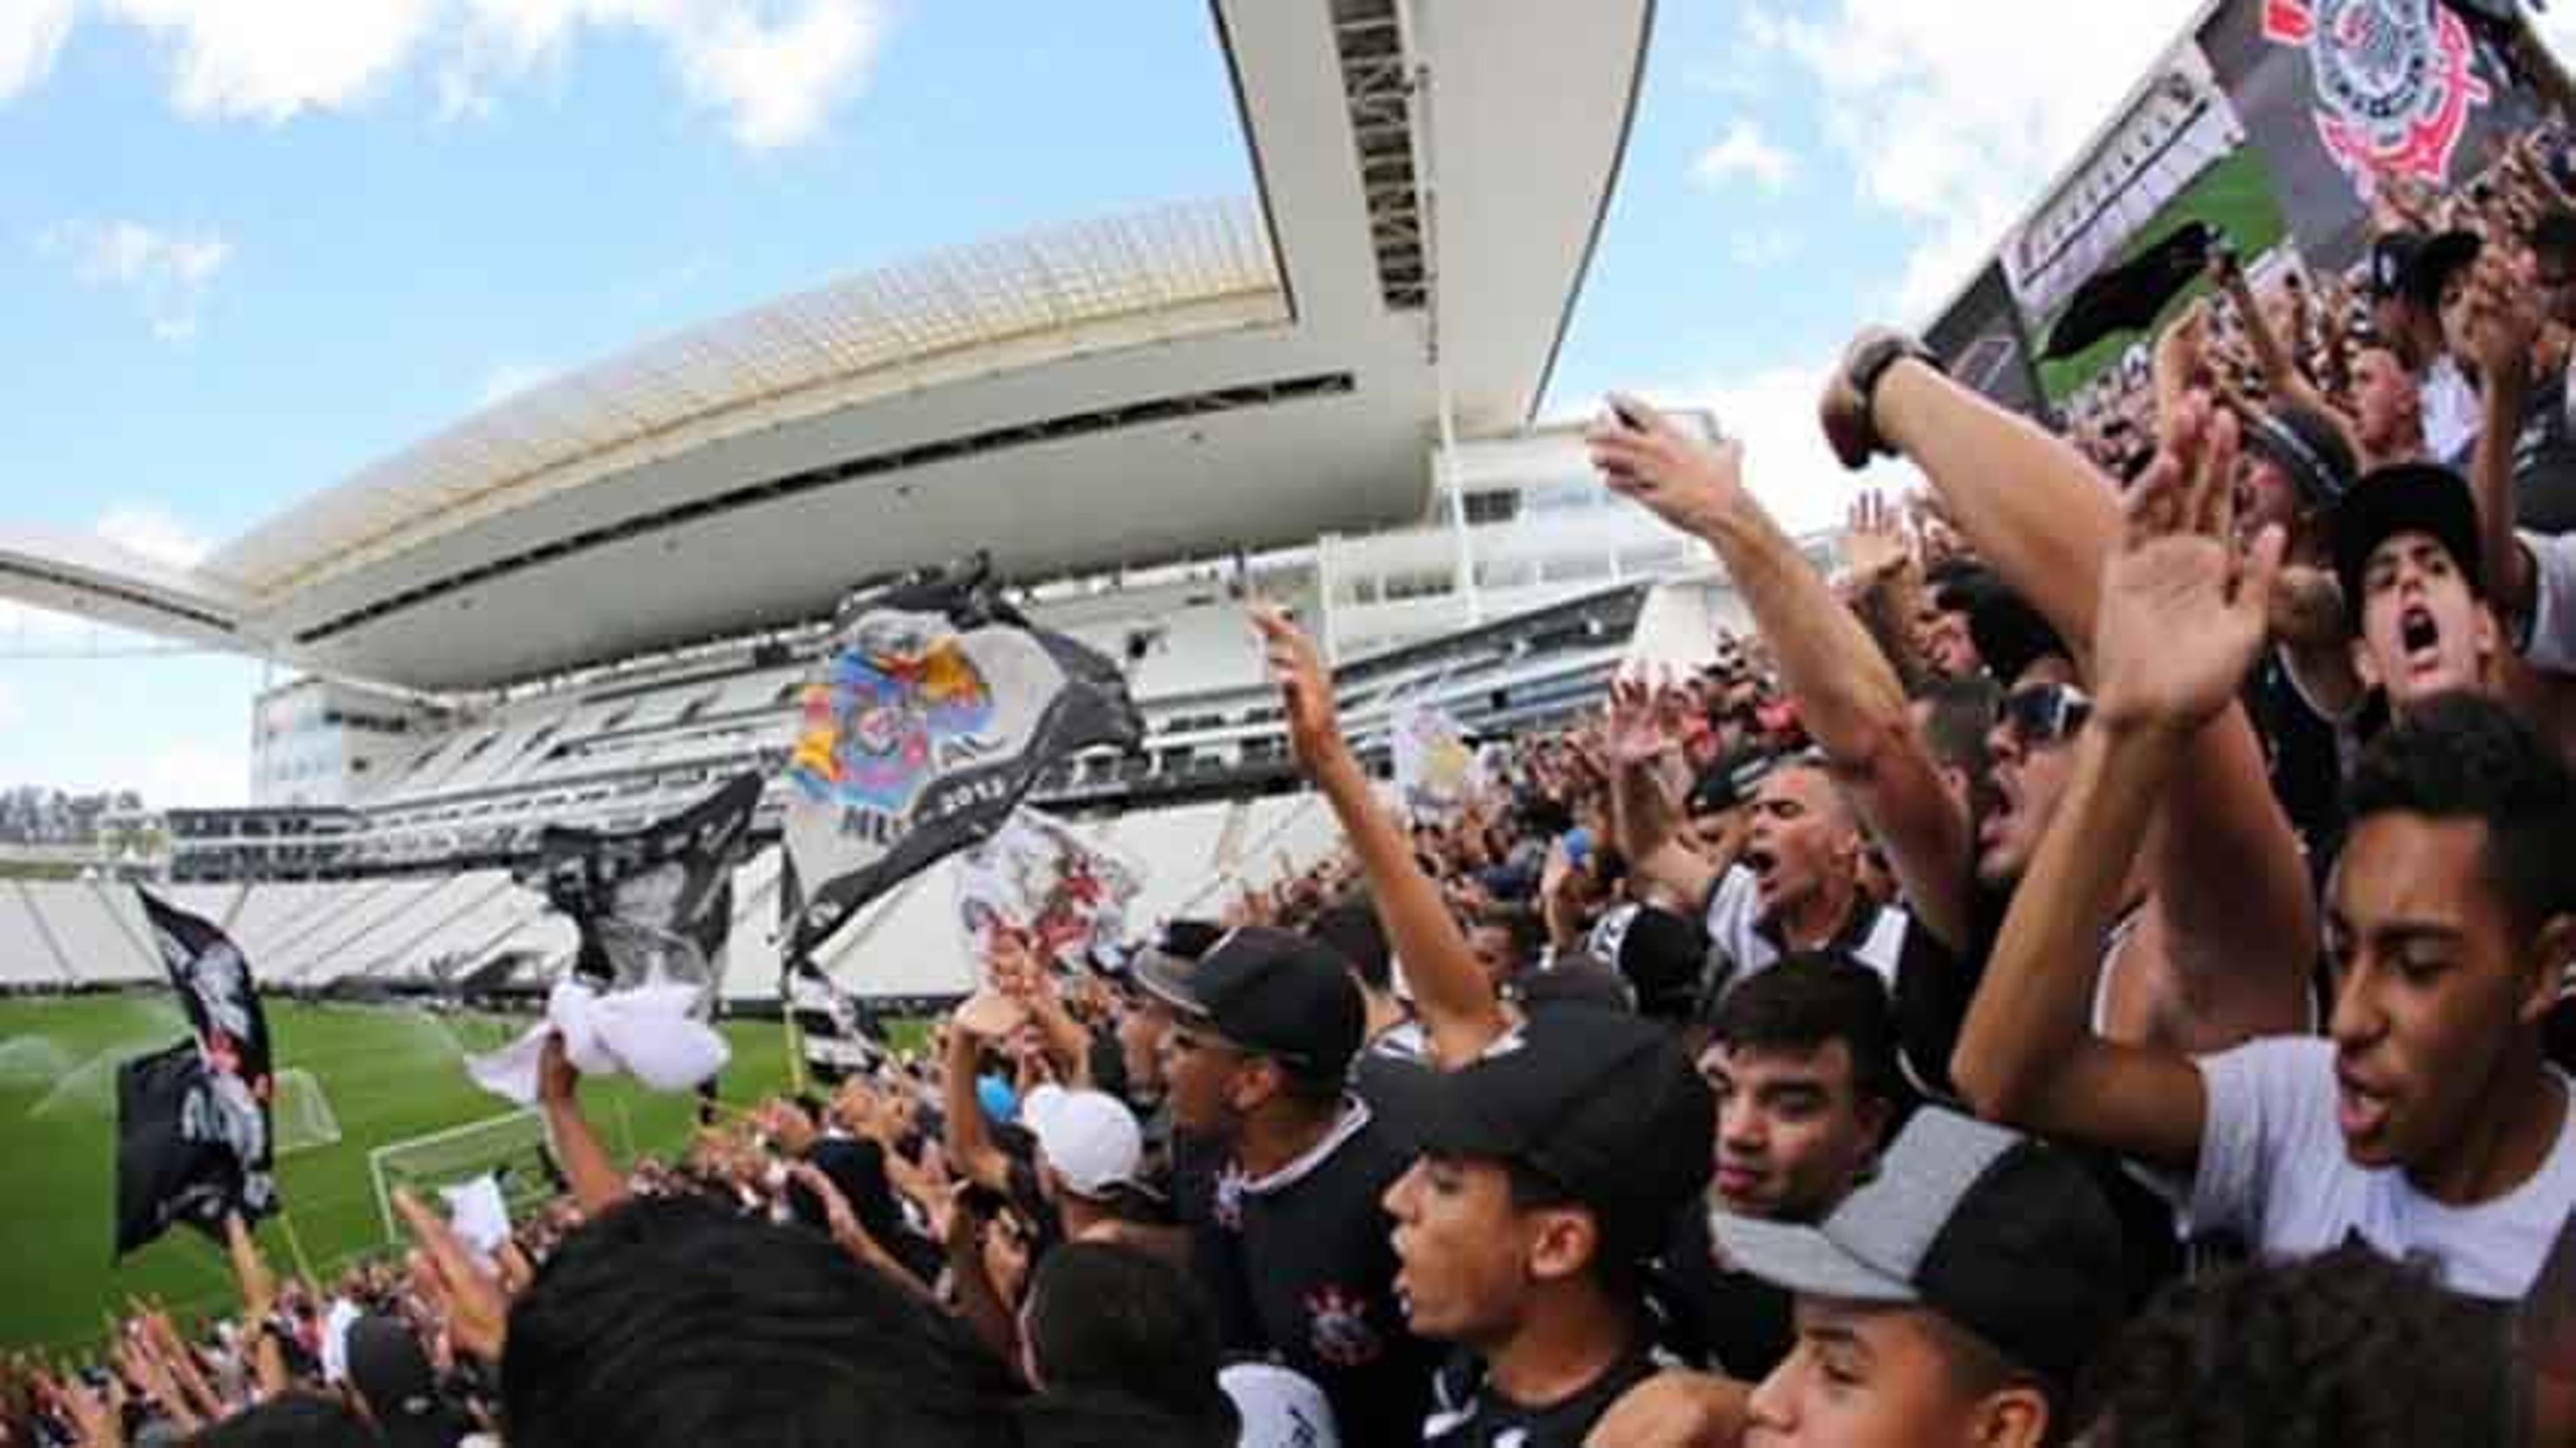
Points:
x=388 y=1073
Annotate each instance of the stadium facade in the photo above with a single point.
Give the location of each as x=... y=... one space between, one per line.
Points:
x=588 y=603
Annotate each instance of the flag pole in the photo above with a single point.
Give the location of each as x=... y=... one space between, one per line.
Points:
x=295 y=1245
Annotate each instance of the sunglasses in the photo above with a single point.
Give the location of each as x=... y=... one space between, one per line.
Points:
x=2044 y=714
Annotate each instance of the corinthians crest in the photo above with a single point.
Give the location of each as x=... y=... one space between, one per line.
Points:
x=2394 y=80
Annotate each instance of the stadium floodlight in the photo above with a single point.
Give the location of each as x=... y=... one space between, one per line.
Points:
x=300 y=1116
x=515 y=1147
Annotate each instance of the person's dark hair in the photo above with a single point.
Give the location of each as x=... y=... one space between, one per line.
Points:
x=2554 y=235
x=2346 y=1348
x=296 y=1420
x=2466 y=756
x=1528 y=931
x=664 y=1323
x=1809 y=999
x=1350 y=925
x=1958 y=715
x=1111 y=1319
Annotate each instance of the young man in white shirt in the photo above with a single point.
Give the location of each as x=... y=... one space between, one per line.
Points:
x=2428 y=1124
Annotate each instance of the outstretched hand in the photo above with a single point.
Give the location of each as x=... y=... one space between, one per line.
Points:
x=469 y=1299
x=1690 y=483
x=1636 y=732
x=1305 y=692
x=2184 y=608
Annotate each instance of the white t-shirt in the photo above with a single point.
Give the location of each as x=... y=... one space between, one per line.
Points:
x=2453 y=416
x=2273 y=1171
x=2552 y=644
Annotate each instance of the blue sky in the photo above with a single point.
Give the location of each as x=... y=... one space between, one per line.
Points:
x=246 y=247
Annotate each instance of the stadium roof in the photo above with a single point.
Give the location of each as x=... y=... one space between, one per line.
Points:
x=1204 y=376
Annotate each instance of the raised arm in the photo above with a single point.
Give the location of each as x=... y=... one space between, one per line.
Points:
x=2182 y=617
x=1451 y=993
x=1849 y=698
x=2505 y=320
x=2230 y=882
x=1646 y=827
x=971 y=1152
x=596 y=1182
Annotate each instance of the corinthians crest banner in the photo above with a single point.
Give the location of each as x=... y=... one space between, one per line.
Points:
x=2344 y=97
x=934 y=710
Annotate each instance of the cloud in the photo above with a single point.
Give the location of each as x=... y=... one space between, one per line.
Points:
x=154 y=533
x=1743 y=151
x=508 y=379
x=168 y=274
x=271 y=59
x=775 y=71
x=31 y=35
x=1946 y=119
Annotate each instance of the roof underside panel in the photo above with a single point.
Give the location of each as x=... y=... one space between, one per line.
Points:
x=1033 y=298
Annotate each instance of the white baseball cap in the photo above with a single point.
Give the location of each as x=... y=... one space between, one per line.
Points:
x=1279 y=1408
x=1089 y=1137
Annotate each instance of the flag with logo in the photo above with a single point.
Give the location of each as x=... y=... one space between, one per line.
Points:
x=839 y=1034
x=934 y=710
x=193 y=1133
x=1041 y=881
x=1435 y=770
x=654 y=905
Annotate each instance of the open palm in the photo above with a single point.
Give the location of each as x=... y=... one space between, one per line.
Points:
x=2183 y=614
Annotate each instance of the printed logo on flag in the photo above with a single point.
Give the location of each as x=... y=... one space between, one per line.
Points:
x=2394 y=83
x=900 y=702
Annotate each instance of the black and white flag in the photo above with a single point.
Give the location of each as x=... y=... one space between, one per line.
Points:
x=839 y=1034
x=934 y=710
x=193 y=1134
x=654 y=905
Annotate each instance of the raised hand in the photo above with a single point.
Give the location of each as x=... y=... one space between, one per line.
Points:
x=1636 y=733
x=558 y=1080
x=468 y=1298
x=2504 y=318
x=1305 y=692
x=1689 y=483
x=2184 y=612
x=1875 y=544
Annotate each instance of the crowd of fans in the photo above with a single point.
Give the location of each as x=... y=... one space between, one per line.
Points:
x=2095 y=968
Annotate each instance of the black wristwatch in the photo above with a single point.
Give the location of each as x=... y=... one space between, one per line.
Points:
x=1871 y=363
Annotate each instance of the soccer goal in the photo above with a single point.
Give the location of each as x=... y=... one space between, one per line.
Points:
x=514 y=1148
x=299 y=1115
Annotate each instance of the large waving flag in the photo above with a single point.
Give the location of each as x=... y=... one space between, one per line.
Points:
x=1039 y=880
x=935 y=709
x=654 y=905
x=193 y=1138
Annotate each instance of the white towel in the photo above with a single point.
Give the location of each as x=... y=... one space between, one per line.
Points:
x=646 y=1032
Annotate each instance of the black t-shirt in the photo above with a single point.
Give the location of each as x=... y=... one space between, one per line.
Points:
x=2544 y=460
x=1467 y=1411
x=1301 y=1269
x=1715 y=1317
x=1379 y=1077
x=2303 y=756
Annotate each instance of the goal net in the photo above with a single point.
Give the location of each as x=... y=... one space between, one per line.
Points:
x=299 y=1114
x=512 y=1148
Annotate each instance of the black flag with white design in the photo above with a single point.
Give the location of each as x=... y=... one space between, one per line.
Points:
x=839 y=1033
x=934 y=710
x=193 y=1132
x=654 y=905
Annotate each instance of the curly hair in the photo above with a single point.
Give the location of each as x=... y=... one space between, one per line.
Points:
x=2345 y=1350
x=2465 y=756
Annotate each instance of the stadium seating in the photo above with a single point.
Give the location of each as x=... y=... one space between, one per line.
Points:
x=27 y=954
x=88 y=938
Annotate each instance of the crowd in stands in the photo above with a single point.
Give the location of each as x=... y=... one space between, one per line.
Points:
x=2094 y=970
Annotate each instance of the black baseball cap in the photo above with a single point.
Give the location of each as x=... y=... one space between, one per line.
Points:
x=2002 y=1234
x=1272 y=992
x=2413 y=265
x=391 y=1371
x=2405 y=498
x=1599 y=1103
x=1660 y=954
x=2308 y=448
